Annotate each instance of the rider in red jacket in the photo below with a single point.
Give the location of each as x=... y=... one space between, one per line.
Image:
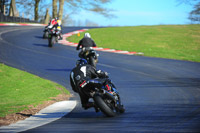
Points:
x=52 y=23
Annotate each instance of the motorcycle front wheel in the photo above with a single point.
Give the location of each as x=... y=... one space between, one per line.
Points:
x=52 y=41
x=103 y=106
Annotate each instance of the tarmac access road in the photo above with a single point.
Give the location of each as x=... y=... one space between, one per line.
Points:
x=160 y=95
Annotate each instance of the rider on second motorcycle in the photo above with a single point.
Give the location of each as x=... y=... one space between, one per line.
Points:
x=85 y=43
x=56 y=24
x=52 y=23
x=85 y=76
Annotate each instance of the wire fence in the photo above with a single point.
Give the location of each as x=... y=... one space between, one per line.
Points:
x=4 y=18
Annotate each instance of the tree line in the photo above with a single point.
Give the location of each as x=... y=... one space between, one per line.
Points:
x=194 y=15
x=39 y=10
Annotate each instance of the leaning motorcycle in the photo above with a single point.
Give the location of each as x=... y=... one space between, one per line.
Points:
x=54 y=35
x=108 y=102
x=90 y=55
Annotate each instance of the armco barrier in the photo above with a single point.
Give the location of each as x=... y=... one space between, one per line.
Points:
x=4 y=18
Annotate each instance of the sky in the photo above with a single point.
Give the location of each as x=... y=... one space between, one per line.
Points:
x=140 y=12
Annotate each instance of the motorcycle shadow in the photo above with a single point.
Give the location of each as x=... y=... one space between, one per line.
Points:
x=39 y=37
x=90 y=114
x=41 y=45
x=87 y=114
x=66 y=70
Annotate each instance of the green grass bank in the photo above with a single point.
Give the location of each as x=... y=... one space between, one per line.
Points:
x=180 y=42
x=20 y=89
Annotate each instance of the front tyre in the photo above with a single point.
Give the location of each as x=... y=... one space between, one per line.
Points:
x=52 y=41
x=103 y=106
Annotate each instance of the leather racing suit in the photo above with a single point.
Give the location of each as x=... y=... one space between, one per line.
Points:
x=86 y=77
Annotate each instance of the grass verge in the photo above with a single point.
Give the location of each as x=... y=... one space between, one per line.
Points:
x=20 y=89
x=180 y=42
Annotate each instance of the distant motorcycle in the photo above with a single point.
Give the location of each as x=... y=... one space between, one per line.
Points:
x=108 y=102
x=90 y=55
x=54 y=35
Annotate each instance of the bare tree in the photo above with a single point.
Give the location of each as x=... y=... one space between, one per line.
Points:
x=194 y=15
x=13 y=10
x=54 y=5
x=47 y=16
x=188 y=2
x=36 y=9
x=32 y=8
x=67 y=20
x=4 y=6
x=75 y=6
x=90 y=23
x=26 y=6
x=60 y=13
x=96 y=6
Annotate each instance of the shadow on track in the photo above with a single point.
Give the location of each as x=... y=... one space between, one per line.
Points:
x=65 y=70
x=86 y=115
x=41 y=45
x=39 y=37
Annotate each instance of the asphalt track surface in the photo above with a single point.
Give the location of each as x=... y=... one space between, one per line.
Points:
x=160 y=95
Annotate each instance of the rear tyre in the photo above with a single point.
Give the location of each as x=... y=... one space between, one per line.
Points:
x=45 y=35
x=103 y=106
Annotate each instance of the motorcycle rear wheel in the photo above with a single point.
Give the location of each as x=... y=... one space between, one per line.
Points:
x=45 y=35
x=103 y=106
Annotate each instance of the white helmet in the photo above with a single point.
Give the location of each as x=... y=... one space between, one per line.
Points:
x=87 y=35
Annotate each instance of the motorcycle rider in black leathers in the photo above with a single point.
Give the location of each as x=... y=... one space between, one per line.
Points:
x=85 y=43
x=85 y=76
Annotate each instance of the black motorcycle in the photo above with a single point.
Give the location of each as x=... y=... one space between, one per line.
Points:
x=90 y=55
x=46 y=32
x=108 y=102
x=54 y=35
